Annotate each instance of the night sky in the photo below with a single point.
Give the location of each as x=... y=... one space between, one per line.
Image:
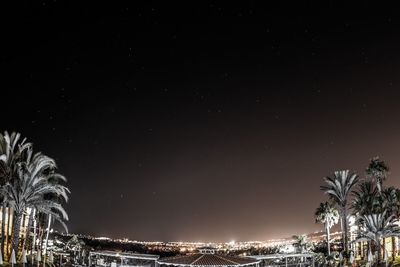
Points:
x=206 y=122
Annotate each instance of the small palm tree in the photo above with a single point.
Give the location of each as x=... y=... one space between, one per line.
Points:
x=375 y=227
x=378 y=170
x=339 y=187
x=329 y=216
x=76 y=245
x=300 y=242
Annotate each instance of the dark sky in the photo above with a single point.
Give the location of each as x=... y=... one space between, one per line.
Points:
x=205 y=122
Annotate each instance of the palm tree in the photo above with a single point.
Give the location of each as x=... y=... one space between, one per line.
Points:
x=378 y=170
x=328 y=215
x=366 y=199
x=29 y=189
x=12 y=151
x=55 y=180
x=338 y=188
x=375 y=227
x=390 y=202
x=300 y=242
x=75 y=244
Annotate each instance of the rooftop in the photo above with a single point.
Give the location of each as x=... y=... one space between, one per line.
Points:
x=207 y=260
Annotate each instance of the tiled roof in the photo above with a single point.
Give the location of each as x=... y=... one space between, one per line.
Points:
x=207 y=260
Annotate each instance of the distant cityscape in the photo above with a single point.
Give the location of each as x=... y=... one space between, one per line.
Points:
x=183 y=247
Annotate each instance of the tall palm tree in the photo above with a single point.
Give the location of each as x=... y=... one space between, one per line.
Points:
x=12 y=151
x=329 y=216
x=29 y=189
x=339 y=187
x=378 y=170
x=375 y=227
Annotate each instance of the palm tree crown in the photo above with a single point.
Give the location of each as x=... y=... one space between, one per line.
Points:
x=339 y=188
x=12 y=150
x=390 y=201
x=378 y=170
x=366 y=199
x=327 y=214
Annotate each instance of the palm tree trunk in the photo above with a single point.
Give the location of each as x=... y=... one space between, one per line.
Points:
x=17 y=229
x=47 y=239
x=3 y=225
x=40 y=245
x=10 y=221
x=384 y=245
x=378 y=243
x=327 y=239
x=34 y=235
x=393 y=248
x=379 y=184
x=28 y=227
x=345 y=230
x=343 y=226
